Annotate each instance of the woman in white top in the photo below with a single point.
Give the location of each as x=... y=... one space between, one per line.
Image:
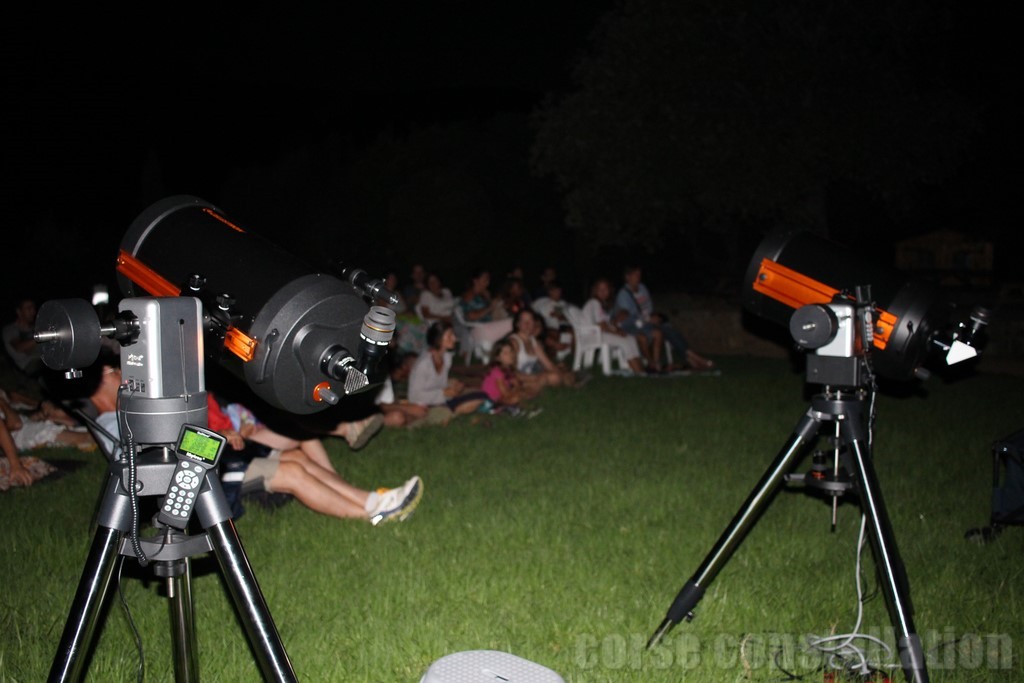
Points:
x=595 y=312
x=429 y=381
x=436 y=301
x=535 y=367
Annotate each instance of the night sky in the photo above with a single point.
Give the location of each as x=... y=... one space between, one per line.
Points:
x=96 y=99
x=96 y=102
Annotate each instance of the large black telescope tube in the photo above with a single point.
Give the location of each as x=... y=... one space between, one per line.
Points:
x=920 y=309
x=291 y=313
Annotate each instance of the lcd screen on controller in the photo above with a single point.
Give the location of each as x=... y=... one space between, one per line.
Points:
x=199 y=445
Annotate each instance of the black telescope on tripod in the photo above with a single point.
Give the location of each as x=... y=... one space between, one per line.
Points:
x=199 y=289
x=856 y=321
x=913 y=326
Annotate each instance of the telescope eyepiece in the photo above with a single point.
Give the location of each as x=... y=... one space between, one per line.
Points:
x=366 y=285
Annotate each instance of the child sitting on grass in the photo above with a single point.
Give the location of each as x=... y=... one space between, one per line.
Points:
x=502 y=385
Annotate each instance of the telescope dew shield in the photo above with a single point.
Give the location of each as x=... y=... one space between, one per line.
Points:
x=791 y=269
x=277 y=315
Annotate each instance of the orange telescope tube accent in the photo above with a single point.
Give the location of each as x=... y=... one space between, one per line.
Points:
x=240 y=344
x=794 y=289
x=213 y=214
x=235 y=341
x=144 y=276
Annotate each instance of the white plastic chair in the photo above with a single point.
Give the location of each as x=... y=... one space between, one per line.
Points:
x=668 y=353
x=463 y=330
x=590 y=345
x=544 y=307
x=565 y=338
x=472 y=345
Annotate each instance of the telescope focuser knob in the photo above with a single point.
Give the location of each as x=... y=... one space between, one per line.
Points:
x=196 y=282
x=324 y=393
x=225 y=302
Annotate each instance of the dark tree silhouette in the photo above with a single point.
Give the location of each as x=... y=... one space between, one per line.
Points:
x=453 y=197
x=694 y=119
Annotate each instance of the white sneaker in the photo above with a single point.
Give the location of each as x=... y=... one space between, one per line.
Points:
x=397 y=504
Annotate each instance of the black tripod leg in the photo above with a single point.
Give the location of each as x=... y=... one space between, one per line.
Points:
x=88 y=602
x=249 y=602
x=183 y=628
x=894 y=576
x=693 y=590
x=215 y=516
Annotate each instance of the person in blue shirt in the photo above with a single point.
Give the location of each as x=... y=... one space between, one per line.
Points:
x=635 y=310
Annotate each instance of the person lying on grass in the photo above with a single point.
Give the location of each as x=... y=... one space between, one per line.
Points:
x=304 y=470
x=47 y=426
x=301 y=469
x=16 y=470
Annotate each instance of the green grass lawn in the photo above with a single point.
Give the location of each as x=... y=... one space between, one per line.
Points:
x=564 y=539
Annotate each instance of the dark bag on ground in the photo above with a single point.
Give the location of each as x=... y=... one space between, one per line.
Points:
x=1008 y=494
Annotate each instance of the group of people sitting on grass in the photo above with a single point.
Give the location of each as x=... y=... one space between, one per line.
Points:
x=529 y=338
x=520 y=368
